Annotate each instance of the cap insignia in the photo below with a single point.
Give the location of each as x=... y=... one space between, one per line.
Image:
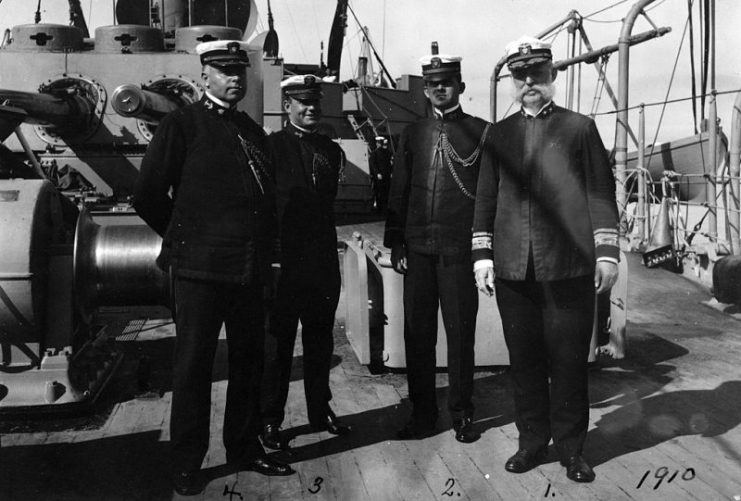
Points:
x=525 y=49
x=435 y=62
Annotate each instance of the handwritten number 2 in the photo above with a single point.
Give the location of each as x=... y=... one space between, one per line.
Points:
x=449 y=483
x=318 y=484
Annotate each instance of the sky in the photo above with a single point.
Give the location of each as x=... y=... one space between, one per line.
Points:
x=478 y=30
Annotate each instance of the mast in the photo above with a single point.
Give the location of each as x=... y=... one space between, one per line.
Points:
x=271 y=45
x=336 y=37
x=76 y=18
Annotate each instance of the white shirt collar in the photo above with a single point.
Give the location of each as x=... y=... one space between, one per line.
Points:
x=445 y=112
x=218 y=101
x=529 y=113
x=303 y=129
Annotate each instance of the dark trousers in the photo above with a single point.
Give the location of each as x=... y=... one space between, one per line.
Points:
x=547 y=328
x=201 y=308
x=381 y=194
x=433 y=280
x=307 y=292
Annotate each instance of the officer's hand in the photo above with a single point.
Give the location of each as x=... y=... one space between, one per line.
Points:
x=605 y=276
x=485 y=280
x=399 y=258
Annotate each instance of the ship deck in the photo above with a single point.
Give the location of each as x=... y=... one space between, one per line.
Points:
x=663 y=423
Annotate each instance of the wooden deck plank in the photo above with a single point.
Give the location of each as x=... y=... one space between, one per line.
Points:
x=348 y=482
x=674 y=402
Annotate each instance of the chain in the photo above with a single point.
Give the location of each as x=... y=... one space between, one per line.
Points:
x=448 y=156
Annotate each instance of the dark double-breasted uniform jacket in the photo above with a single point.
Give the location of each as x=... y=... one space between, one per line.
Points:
x=307 y=167
x=431 y=208
x=204 y=187
x=208 y=198
x=379 y=162
x=430 y=212
x=550 y=189
x=545 y=213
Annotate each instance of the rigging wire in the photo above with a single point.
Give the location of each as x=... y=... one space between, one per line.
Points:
x=692 y=63
x=599 y=89
x=612 y=21
x=383 y=41
x=316 y=18
x=671 y=82
x=301 y=44
x=669 y=101
x=604 y=9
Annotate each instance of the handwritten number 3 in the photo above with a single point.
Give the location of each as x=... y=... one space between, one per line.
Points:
x=318 y=484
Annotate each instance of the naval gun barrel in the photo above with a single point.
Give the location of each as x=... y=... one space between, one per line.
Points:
x=67 y=110
x=132 y=101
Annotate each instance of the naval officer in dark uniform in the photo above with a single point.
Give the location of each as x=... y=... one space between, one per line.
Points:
x=204 y=187
x=379 y=163
x=428 y=229
x=546 y=225
x=307 y=166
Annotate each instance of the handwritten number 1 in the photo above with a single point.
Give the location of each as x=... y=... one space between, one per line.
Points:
x=642 y=479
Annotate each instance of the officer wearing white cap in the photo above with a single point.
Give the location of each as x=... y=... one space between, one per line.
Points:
x=428 y=229
x=379 y=164
x=545 y=240
x=204 y=187
x=307 y=167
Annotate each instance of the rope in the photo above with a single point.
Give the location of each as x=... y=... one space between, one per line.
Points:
x=668 y=101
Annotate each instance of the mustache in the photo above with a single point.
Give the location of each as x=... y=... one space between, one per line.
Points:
x=545 y=90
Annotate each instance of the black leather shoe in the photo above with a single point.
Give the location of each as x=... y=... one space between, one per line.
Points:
x=578 y=470
x=187 y=483
x=524 y=460
x=465 y=431
x=415 y=431
x=265 y=465
x=332 y=425
x=272 y=438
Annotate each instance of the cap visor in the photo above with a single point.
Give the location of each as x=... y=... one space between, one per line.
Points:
x=517 y=64
x=226 y=64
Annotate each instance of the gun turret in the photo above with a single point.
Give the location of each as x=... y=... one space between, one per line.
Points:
x=71 y=111
x=68 y=107
x=131 y=101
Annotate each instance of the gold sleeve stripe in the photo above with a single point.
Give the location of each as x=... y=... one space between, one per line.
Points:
x=606 y=236
x=482 y=240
